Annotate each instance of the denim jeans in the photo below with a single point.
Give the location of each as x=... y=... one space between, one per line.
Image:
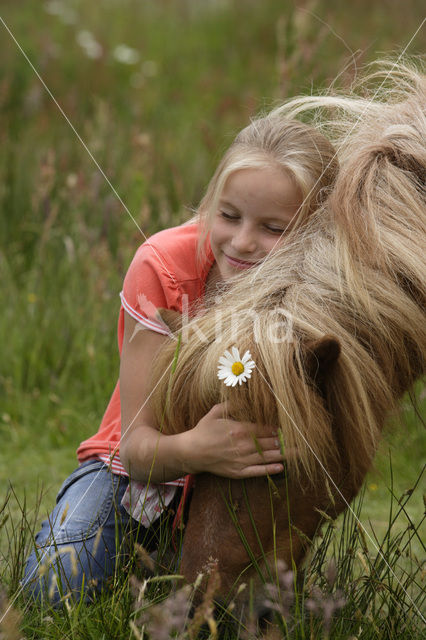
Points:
x=78 y=547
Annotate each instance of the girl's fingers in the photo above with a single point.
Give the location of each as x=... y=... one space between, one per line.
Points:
x=272 y=455
x=266 y=444
x=256 y=463
x=273 y=444
x=263 y=430
x=290 y=452
x=220 y=411
x=258 y=470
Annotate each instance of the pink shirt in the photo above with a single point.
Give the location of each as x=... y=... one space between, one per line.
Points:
x=164 y=273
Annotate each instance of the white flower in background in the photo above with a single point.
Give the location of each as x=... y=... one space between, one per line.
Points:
x=89 y=44
x=233 y=369
x=65 y=13
x=126 y=55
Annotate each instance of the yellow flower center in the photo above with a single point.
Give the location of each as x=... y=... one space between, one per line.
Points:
x=237 y=368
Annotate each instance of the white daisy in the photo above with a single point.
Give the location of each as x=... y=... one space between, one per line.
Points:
x=126 y=55
x=233 y=368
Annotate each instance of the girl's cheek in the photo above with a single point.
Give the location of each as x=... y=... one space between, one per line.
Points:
x=275 y=244
x=218 y=233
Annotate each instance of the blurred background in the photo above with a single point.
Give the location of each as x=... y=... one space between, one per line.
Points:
x=156 y=90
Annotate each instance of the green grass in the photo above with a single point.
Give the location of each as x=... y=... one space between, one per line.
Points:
x=157 y=129
x=372 y=590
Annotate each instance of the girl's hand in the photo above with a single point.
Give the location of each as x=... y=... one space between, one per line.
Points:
x=232 y=449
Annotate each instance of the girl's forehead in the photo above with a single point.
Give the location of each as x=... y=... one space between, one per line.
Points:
x=261 y=184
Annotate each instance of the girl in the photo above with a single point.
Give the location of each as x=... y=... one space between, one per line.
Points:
x=276 y=172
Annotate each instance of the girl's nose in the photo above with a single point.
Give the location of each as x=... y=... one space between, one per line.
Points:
x=244 y=240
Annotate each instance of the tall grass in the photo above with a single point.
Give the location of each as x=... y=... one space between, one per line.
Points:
x=156 y=127
x=350 y=587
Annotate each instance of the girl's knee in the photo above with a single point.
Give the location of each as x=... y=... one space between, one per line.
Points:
x=75 y=550
x=49 y=577
x=55 y=574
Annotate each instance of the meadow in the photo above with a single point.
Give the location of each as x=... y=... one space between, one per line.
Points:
x=112 y=119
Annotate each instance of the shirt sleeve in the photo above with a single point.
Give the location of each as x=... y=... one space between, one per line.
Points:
x=149 y=285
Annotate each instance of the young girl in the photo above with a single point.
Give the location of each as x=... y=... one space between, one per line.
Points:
x=276 y=172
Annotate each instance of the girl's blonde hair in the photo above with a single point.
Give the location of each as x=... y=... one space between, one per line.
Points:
x=334 y=318
x=298 y=149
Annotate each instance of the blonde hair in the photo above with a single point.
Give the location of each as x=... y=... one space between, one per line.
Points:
x=348 y=291
x=298 y=149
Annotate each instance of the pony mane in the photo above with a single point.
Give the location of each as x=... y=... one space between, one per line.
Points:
x=353 y=273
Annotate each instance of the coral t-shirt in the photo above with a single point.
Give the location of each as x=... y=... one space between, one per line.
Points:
x=164 y=273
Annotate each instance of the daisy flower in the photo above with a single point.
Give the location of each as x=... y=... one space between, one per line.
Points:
x=233 y=368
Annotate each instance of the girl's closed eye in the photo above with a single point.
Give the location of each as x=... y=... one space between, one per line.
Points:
x=229 y=216
x=272 y=229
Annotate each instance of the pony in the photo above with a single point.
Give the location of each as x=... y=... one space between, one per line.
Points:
x=335 y=322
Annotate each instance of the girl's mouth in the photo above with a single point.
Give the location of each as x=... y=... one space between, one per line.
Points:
x=240 y=264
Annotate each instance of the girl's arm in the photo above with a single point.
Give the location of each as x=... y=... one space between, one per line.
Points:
x=217 y=445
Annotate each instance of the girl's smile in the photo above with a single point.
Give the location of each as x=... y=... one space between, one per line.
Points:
x=256 y=208
x=239 y=264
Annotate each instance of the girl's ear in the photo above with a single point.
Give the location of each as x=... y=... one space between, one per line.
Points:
x=320 y=357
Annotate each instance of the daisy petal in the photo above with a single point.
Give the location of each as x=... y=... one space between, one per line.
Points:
x=236 y=354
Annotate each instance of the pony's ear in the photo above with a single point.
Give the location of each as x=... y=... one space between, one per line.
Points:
x=172 y=319
x=320 y=357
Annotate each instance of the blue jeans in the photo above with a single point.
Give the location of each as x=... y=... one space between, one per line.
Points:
x=86 y=535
